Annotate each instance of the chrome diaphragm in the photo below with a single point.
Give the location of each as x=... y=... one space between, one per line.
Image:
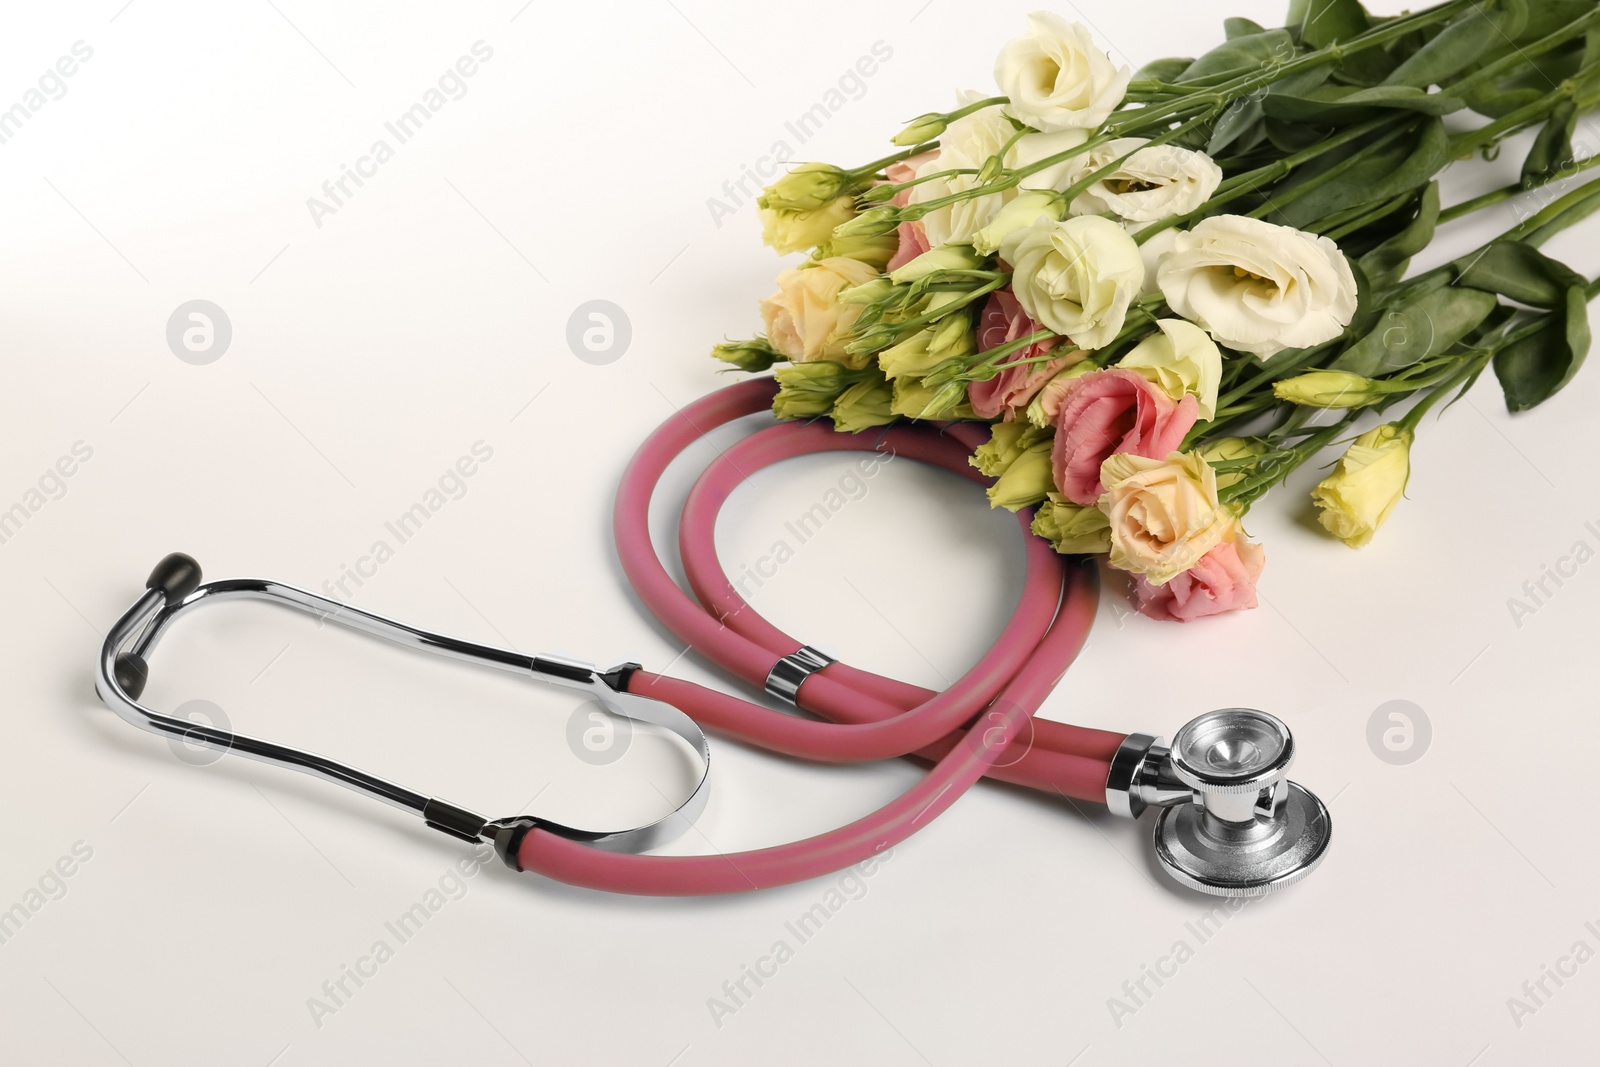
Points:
x=1231 y=822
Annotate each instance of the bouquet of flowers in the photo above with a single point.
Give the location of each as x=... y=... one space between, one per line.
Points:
x=1166 y=290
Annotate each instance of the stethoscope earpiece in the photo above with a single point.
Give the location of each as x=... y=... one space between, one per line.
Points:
x=1232 y=824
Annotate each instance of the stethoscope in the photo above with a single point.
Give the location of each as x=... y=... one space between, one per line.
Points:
x=1230 y=822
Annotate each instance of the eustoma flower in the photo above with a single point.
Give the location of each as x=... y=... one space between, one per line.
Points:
x=1056 y=78
x=1109 y=412
x=1364 y=488
x=1164 y=513
x=1224 y=579
x=1257 y=287
x=967 y=146
x=804 y=318
x=1152 y=184
x=1182 y=360
x=1077 y=276
x=1003 y=321
x=1061 y=261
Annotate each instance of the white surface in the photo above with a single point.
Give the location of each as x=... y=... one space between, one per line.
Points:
x=428 y=313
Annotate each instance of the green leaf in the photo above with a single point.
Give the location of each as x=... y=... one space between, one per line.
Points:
x=1535 y=368
x=1241 y=118
x=1319 y=23
x=1237 y=27
x=1532 y=79
x=1552 y=148
x=1267 y=49
x=1291 y=137
x=1420 y=328
x=1547 y=16
x=1401 y=165
x=1457 y=47
x=1522 y=273
x=1387 y=263
x=1163 y=70
x=1342 y=105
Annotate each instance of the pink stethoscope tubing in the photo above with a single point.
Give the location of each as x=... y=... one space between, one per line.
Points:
x=982 y=725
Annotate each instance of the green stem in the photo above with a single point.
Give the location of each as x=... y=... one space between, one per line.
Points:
x=1506 y=192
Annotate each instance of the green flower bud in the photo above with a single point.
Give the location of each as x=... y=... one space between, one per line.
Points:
x=1019 y=214
x=1026 y=481
x=1071 y=529
x=1006 y=444
x=992 y=168
x=806 y=188
x=864 y=405
x=945 y=257
x=873 y=222
x=916 y=400
x=806 y=390
x=1329 y=389
x=756 y=354
x=867 y=292
x=876 y=252
x=1226 y=449
x=920 y=129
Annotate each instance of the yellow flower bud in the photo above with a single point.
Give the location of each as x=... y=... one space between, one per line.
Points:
x=1329 y=389
x=1366 y=485
x=863 y=405
x=915 y=399
x=788 y=231
x=1224 y=449
x=805 y=188
x=920 y=129
x=1025 y=481
x=1071 y=529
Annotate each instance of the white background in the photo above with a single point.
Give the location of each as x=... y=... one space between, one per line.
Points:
x=429 y=312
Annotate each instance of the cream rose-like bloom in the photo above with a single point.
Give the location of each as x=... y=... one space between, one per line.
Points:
x=1056 y=78
x=805 y=319
x=1181 y=359
x=1164 y=513
x=1257 y=287
x=1364 y=488
x=1075 y=276
x=1152 y=184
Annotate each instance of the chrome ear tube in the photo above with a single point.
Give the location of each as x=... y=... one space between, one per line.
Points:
x=1231 y=823
x=174 y=589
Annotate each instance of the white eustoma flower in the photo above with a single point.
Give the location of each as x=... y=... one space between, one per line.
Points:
x=1152 y=184
x=1257 y=287
x=969 y=144
x=1056 y=78
x=966 y=145
x=1076 y=277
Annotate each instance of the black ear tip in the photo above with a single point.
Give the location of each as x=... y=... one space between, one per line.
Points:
x=131 y=672
x=176 y=575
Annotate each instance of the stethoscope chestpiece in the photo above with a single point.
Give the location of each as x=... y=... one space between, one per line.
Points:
x=1231 y=824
